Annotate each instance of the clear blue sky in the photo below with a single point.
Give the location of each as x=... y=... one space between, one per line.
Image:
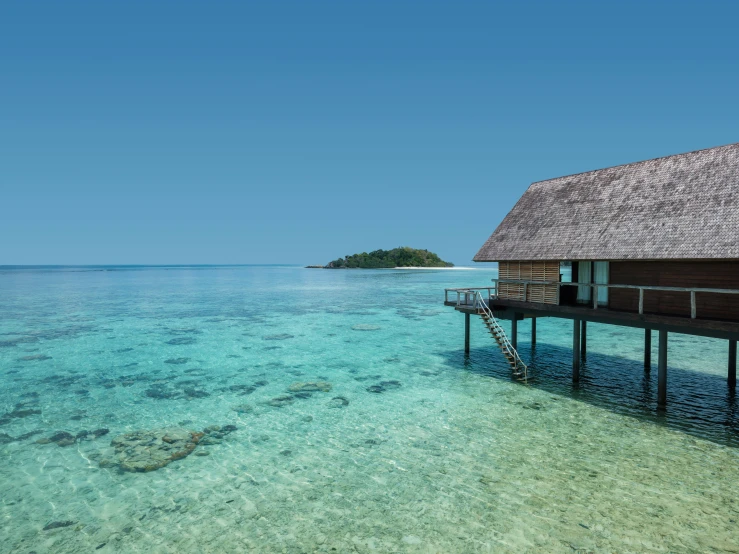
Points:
x=296 y=132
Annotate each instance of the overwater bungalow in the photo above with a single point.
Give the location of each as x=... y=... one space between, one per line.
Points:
x=652 y=244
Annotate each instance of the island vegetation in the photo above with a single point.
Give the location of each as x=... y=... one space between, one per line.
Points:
x=397 y=257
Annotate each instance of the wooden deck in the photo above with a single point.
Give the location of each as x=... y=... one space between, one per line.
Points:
x=692 y=324
x=473 y=301
x=508 y=309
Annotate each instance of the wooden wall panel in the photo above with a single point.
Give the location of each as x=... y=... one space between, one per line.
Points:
x=677 y=274
x=529 y=271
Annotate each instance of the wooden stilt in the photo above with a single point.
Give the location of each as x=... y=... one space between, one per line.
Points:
x=533 y=331
x=514 y=331
x=662 y=370
x=647 y=349
x=583 y=338
x=732 y=364
x=466 y=333
x=576 y=351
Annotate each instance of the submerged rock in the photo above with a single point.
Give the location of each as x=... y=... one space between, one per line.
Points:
x=243 y=390
x=177 y=361
x=181 y=340
x=61 y=438
x=143 y=451
x=215 y=434
x=19 y=412
x=28 y=435
x=383 y=386
x=281 y=401
x=338 y=402
x=58 y=524
x=196 y=393
x=24 y=413
x=161 y=392
x=321 y=386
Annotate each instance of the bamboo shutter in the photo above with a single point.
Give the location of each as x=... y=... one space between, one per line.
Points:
x=532 y=272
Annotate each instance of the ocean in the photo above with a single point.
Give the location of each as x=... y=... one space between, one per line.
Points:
x=283 y=409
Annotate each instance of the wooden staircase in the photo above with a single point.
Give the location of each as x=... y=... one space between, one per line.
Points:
x=519 y=369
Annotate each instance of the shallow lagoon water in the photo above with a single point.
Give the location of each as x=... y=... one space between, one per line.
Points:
x=449 y=455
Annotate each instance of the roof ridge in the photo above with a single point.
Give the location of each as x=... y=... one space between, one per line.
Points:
x=636 y=163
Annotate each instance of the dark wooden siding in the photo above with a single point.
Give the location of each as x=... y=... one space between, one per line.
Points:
x=723 y=275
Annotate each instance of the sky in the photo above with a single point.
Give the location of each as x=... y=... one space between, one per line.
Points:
x=297 y=132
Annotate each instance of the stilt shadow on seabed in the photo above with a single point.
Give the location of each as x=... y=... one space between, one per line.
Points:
x=698 y=403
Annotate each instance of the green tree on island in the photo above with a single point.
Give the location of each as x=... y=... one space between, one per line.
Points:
x=397 y=257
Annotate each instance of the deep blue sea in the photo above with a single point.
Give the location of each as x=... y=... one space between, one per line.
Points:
x=297 y=410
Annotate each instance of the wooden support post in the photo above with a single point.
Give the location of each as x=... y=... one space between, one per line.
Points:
x=514 y=331
x=647 y=349
x=466 y=333
x=732 y=364
x=533 y=331
x=583 y=338
x=662 y=370
x=576 y=351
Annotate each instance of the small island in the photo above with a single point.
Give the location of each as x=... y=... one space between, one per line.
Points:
x=387 y=259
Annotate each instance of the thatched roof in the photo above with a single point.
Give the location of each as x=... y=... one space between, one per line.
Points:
x=678 y=207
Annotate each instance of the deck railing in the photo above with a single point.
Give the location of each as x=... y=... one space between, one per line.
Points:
x=641 y=288
x=467 y=296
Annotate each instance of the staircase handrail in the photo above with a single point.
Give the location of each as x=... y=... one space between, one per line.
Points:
x=480 y=304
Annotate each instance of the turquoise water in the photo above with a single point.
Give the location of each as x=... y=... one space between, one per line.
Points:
x=447 y=455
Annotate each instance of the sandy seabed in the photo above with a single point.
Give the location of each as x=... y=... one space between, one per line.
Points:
x=415 y=447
